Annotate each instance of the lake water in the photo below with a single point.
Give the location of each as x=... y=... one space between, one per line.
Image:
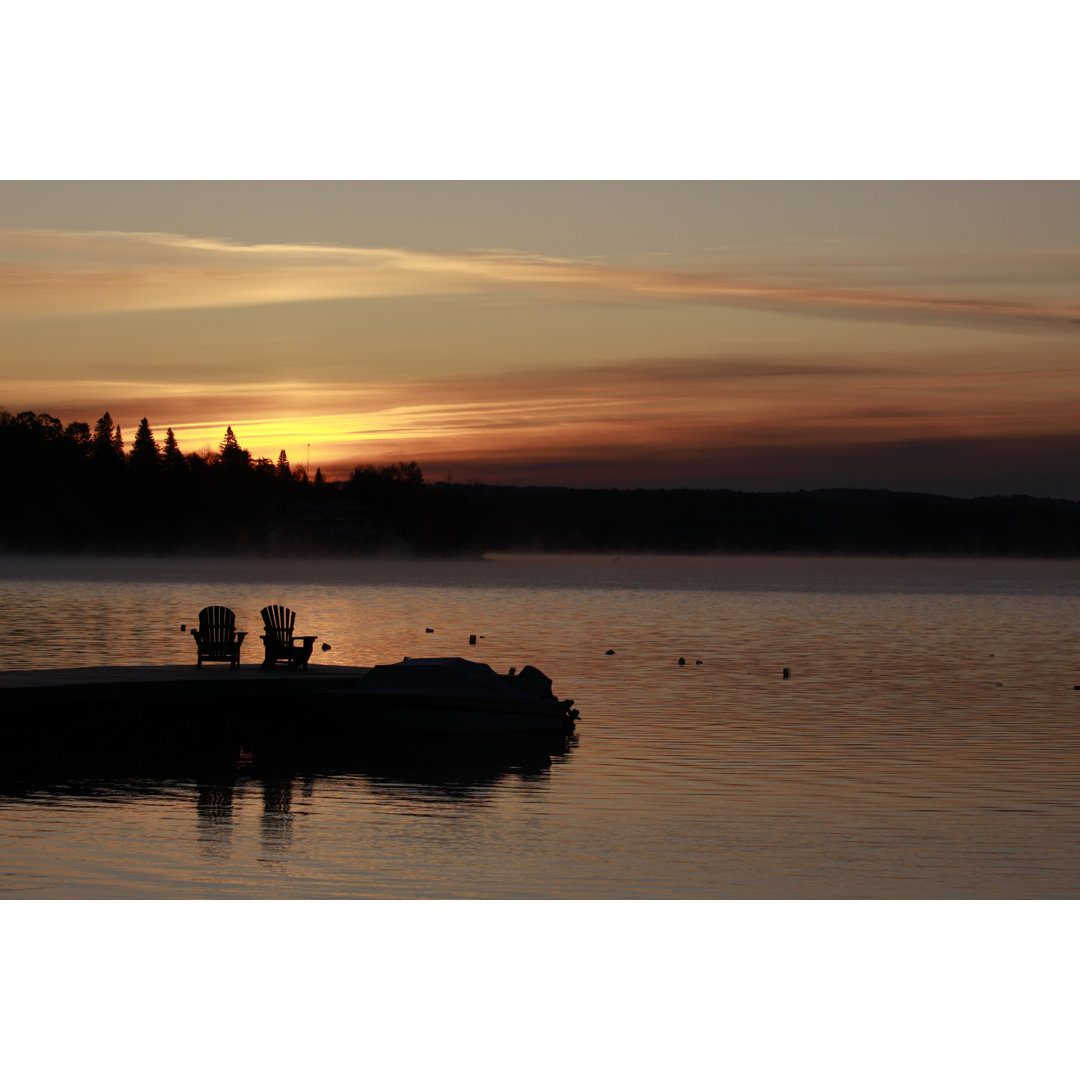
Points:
x=926 y=744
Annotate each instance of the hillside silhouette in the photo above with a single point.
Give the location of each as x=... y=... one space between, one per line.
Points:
x=75 y=489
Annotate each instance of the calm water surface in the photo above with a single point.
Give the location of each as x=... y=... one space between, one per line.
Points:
x=925 y=745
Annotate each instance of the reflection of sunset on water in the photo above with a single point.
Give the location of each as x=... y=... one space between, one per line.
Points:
x=924 y=746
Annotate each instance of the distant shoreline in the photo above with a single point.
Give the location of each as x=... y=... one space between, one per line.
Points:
x=457 y=521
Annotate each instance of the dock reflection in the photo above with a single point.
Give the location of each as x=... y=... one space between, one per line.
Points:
x=452 y=778
x=214 y=815
x=276 y=824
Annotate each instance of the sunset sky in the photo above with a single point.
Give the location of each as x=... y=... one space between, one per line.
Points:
x=757 y=335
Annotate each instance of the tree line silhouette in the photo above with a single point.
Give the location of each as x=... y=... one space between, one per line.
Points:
x=75 y=488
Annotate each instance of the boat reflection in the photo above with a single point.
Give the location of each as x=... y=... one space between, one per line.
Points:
x=460 y=777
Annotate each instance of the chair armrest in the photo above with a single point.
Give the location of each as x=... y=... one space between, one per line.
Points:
x=240 y=635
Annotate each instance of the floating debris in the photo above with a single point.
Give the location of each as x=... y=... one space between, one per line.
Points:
x=325 y=646
x=472 y=639
x=699 y=662
x=787 y=673
x=428 y=630
x=610 y=652
x=682 y=662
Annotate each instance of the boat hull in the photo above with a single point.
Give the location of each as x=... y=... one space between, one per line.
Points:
x=359 y=713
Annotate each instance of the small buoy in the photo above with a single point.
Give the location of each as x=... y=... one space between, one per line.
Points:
x=325 y=647
x=610 y=652
x=428 y=630
x=787 y=673
x=183 y=627
x=682 y=662
x=472 y=639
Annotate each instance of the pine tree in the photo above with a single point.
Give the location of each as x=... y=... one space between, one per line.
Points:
x=173 y=459
x=231 y=454
x=103 y=435
x=283 y=470
x=144 y=451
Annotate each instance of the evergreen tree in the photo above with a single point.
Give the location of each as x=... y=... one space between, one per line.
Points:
x=144 y=451
x=231 y=454
x=319 y=479
x=106 y=447
x=283 y=470
x=230 y=443
x=104 y=439
x=173 y=459
x=108 y=471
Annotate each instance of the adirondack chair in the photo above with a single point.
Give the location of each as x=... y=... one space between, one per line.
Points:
x=279 y=642
x=217 y=637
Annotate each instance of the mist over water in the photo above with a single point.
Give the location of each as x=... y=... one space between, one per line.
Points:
x=925 y=745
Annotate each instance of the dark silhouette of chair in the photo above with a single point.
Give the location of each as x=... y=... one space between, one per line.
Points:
x=217 y=637
x=279 y=642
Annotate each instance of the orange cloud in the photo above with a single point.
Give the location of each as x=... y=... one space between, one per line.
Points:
x=699 y=421
x=654 y=412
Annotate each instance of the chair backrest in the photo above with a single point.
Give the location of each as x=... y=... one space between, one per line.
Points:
x=217 y=624
x=279 y=622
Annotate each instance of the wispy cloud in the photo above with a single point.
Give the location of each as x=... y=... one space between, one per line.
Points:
x=725 y=421
x=50 y=272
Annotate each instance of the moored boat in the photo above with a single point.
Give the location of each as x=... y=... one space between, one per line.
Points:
x=448 y=696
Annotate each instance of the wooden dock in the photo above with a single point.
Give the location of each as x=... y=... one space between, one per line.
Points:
x=184 y=720
x=122 y=717
x=164 y=682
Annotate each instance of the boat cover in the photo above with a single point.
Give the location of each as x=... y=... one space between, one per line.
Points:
x=448 y=675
